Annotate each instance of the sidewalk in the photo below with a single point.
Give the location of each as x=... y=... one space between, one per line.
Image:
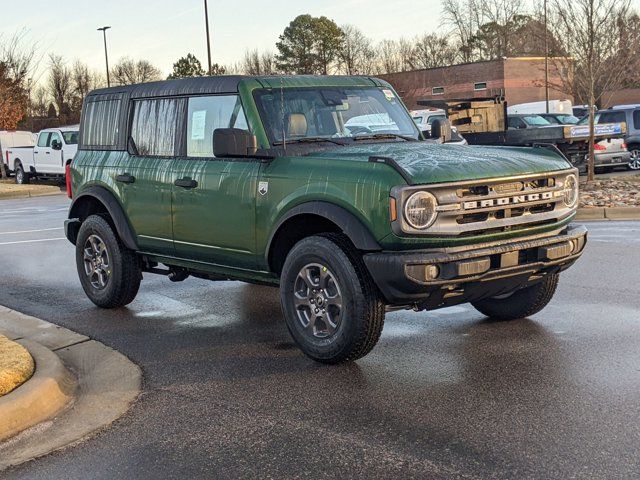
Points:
x=79 y=386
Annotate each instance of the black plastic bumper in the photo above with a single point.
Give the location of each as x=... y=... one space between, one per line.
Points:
x=426 y=279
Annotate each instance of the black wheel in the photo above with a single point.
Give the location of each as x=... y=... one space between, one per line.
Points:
x=109 y=272
x=634 y=161
x=521 y=303
x=330 y=304
x=22 y=177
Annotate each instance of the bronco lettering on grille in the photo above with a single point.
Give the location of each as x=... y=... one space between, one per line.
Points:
x=503 y=201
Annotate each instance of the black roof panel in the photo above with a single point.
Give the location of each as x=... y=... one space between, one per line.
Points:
x=182 y=86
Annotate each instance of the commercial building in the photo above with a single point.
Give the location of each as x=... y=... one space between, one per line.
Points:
x=519 y=79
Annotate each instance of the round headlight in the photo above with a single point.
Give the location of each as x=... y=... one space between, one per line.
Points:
x=420 y=210
x=570 y=190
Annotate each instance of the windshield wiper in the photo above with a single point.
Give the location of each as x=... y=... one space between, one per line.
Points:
x=310 y=140
x=377 y=136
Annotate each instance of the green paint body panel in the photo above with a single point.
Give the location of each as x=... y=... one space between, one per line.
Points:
x=224 y=225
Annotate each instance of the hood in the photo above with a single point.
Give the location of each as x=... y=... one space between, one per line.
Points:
x=435 y=163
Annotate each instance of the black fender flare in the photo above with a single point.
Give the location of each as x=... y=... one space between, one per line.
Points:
x=352 y=227
x=115 y=210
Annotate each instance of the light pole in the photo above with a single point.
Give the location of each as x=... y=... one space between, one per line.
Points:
x=546 y=58
x=206 y=21
x=106 y=57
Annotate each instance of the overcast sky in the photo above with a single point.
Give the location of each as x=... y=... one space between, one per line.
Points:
x=161 y=31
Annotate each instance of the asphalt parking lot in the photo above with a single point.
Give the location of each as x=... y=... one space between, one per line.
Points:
x=446 y=394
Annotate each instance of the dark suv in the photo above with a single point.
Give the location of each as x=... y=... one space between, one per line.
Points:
x=630 y=115
x=323 y=186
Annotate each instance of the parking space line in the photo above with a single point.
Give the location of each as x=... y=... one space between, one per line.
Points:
x=33 y=241
x=31 y=231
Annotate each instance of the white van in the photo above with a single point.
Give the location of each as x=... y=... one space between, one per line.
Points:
x=555 y=106
x=11 y=139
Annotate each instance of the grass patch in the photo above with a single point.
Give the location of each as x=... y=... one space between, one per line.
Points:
x=16 y=365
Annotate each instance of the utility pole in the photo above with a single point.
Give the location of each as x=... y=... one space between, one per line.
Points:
x=206 y=21
x=106 y=57
x=546 y=58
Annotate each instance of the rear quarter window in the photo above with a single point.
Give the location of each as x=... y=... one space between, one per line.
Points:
x=101 y=123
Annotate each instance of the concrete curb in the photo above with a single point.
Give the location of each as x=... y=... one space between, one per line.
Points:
x=12 y=196
x=608 y=213
x=44 y=395
x=108 y=383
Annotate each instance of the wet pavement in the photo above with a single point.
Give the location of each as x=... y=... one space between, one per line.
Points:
x=446 y=394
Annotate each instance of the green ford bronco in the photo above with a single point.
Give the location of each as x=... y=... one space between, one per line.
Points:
x=323 y=186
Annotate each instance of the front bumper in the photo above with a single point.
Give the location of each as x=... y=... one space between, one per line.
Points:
x=430 y=279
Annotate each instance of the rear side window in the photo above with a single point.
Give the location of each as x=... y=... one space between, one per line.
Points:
x=154 y=126
x=612 y=117
x=636 y=119
x=100 y=123
x=204 y=115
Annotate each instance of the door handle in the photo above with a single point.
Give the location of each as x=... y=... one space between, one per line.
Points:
x=125 y=178
x=185 y=183
x=47 y=153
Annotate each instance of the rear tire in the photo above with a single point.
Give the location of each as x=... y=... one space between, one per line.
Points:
x=521 y=303
x=22 y=177
x=634 y=161
x=109 y=272
x=330 y=304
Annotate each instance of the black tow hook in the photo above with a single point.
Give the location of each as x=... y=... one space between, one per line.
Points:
x=178 y=274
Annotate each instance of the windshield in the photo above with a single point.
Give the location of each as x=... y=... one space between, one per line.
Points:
x=536 y=121
x=568 y=119
x=333 y=113
x=70 y=138
x=433 y=118
x=585 y=120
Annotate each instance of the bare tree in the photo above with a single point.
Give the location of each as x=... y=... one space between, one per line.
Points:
x=406 y=54
x=59 y=84
x=388 y=58
x=356 y=55
x=128 y=71
x=432 y=50
x=464 y=17
x=590 y=32
x=255 y=62
x=18 y=56
x=501 y=21
x=39 y=102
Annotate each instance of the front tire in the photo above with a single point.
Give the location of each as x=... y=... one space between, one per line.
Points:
x=109 y=272
x=521 y=303
x=330 y=304
x=22 y=177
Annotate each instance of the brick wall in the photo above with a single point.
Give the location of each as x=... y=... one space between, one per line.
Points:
x=458 y=81
x=524 y=81
x=621 y=97
x=521 y=79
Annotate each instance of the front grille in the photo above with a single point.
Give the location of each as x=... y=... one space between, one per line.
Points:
x=496 y=205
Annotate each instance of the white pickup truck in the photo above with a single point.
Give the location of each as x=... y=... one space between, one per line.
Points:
x=54 y=149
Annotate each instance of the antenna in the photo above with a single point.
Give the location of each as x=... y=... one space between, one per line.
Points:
x=284 y=128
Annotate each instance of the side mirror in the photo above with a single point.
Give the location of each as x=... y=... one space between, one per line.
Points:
x=441 y=129
x=56 y=145
x=234 y=142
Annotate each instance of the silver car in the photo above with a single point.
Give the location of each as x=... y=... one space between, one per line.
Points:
x=611 y=153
